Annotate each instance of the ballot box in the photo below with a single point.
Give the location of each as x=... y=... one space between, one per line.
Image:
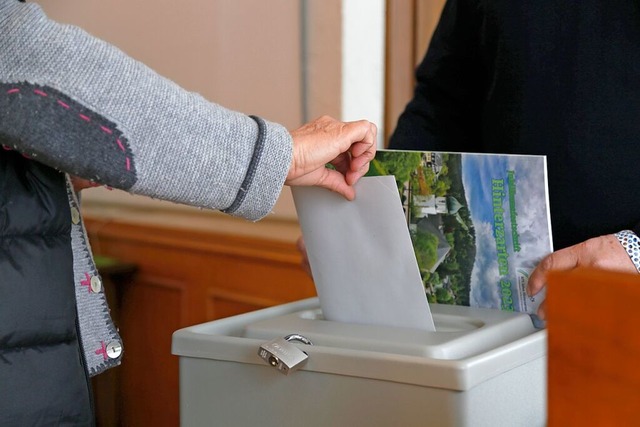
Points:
x=480 y=367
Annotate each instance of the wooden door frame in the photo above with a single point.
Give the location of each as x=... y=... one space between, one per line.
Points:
x=409 y=26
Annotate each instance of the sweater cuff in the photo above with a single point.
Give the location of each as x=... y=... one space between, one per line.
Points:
x=631 y=243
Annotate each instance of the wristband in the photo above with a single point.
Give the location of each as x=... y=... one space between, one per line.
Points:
x=631 y=243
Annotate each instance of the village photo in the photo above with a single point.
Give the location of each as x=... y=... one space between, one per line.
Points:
x=478 y=223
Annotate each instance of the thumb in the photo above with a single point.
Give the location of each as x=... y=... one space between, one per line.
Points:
x=335 y=181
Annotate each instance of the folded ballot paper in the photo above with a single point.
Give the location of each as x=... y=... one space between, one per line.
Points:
x=361 y=255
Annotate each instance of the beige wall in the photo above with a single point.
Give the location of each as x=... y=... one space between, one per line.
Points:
x=244 y=54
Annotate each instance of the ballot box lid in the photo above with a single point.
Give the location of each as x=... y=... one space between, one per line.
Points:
x=469 y=346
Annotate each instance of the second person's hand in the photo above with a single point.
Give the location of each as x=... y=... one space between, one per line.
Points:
x=604 y=252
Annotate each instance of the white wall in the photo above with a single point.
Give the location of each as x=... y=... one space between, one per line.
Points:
x=363 y=59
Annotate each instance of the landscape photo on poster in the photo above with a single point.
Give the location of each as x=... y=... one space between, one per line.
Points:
x=479 y=223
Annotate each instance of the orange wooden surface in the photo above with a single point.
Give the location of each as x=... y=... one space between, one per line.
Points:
x=594 y=348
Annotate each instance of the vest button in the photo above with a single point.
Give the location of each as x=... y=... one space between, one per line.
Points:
x=75 y=216
x=96 y=284
x=114 y=349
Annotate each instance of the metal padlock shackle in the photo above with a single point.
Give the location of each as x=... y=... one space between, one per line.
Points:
x=299 y=338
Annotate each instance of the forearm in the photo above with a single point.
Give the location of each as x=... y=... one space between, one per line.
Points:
x=82 y=106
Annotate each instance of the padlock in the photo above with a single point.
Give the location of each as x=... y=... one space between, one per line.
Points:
x=283 y=355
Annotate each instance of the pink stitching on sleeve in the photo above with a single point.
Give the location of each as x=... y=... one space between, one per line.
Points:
x=82 y=116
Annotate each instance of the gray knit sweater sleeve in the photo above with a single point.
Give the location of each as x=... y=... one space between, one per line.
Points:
x=82 y=106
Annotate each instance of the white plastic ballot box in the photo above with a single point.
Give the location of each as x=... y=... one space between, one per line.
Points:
x=480 y=368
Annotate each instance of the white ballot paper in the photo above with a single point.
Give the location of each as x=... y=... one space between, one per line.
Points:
x=361 y=256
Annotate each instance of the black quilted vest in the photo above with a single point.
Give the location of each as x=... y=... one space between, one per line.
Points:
x=43 y=380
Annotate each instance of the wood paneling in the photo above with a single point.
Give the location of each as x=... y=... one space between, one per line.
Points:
x=151 y=307
x=184 y=277
x=400 y=60
x=594 y=348
x=410 y=25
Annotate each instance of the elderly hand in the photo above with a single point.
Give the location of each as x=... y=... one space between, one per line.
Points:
x=349 y=147
x=604 y=252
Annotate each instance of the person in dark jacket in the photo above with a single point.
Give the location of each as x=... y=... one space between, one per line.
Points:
x=72 y=105
x=553 y=78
